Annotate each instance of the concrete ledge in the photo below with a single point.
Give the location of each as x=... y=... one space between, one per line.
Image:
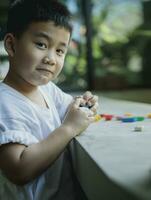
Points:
x=111 y=160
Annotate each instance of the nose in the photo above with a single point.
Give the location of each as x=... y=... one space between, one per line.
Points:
x=49 y=59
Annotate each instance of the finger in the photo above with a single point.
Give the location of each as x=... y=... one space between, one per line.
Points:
x=90 y=103
x=87 y=111
x=87 y=95
x=95 y=108
x=78 y=102
x=93 y=100
x=91 y=119
x=82 y=101
x=78 y=97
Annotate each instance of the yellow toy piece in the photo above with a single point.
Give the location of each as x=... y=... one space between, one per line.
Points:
x=128 y=114
x=97 y=118
x=149 y=115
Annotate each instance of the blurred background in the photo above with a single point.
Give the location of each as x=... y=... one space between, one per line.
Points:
x=110 y=51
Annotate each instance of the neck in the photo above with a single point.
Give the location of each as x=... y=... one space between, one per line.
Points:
x=19 y=83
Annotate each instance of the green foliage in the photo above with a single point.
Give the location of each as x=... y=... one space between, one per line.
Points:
x=120 y=38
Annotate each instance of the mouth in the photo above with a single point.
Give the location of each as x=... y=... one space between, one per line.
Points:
x=45 y=70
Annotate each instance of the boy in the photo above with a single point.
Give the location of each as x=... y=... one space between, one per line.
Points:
x=37 y=119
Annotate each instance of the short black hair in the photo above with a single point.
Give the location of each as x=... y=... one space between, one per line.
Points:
x=23 y=12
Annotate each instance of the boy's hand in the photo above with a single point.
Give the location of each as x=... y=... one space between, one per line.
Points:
x=90 y=101
x=76 y=118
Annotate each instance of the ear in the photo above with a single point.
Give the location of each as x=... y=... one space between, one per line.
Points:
x=9 y=44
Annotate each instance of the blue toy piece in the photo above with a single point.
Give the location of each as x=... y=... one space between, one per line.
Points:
x=129 y=119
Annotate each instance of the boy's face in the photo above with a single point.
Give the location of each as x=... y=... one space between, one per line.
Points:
x=40 y=52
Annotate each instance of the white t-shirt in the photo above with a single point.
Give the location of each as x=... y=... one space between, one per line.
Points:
x=25 y=122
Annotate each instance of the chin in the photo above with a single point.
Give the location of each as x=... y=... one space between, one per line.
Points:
x=44 y=82
x=39 y=82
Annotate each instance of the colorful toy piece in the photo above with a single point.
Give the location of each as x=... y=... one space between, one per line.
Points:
x=107 y=116
x=139 y=118
x=128 y=114
x=129 y=119
x=149 y=115
x=119 y=118
x=138 y=128
x=97 y=117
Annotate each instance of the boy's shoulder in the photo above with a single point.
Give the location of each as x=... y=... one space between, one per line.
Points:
x=10 y=100
x=5 y=92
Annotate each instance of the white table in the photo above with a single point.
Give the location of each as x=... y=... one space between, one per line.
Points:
x=112 y=161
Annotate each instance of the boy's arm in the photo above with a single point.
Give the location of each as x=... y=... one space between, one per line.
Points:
x=22 y=164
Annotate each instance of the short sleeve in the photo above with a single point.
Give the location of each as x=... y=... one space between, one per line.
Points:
x=15 y=131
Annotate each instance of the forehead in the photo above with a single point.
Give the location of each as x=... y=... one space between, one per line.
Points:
x=49 y=29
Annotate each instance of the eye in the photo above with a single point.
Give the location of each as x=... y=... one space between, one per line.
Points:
x=60 y=52
x=41 y=45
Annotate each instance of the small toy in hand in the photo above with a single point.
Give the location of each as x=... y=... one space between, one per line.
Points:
x=87 y=105
x=87 y=108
